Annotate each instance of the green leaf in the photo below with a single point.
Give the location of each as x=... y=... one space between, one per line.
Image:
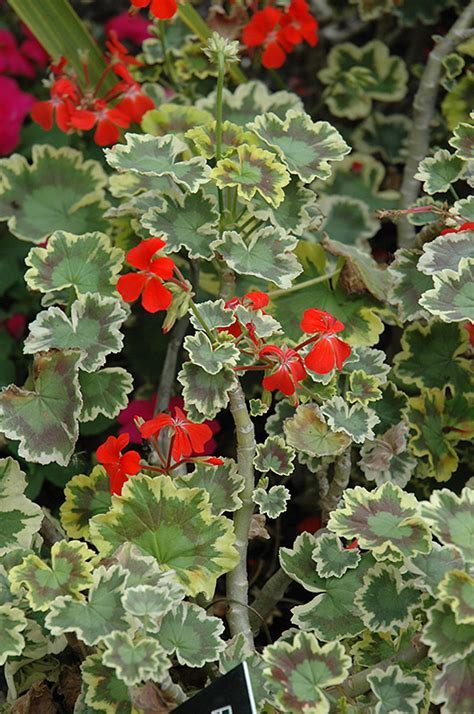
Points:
x=87 y=263
x=263 y=325
x=439 y=171
x=300 y=671
x=331 y=614
x=385 y=521
x=21 y=518
x=150 y=602
x=211 y=357
x=134 y=660
x=347 y=218
x=386 y=135
x=464 y=208
x=250 y=99
x=252 y=171
x=369 y=360
x=452 y=298
x=363 y=388
x=44 y=418
x=432 y=356
x=103 y=691
x=70 y=573
x=445 y=253
x=447 y=640
x=204 y=138
x=389 y=408
x=451 y=518
x=271 y=503
x=223 y=483
x=306 y=147
x=104 y=392
x=257 y=407
x=214 y=314
x=360 y=271
x=296 y=212
x=332 y=560
x=408 y=285
x=84 y=497
x=358 y=313
x=457 y=589
x=395 y=691
x=192 y=635
x=238 y=650
x=57 y=191
x=453 y=686
x=308 y=432
x=356 y=420
x=158 y=156
x=387 y=458
x=424 y=11
x=438 y=423
x=274 y=455
x=93 y=328
x=298 y=562
x=358 y=75
x=190 y=224
x=463 y=141
x=101 y=615
x=430 y=568
x=175 y=525
x=384 y=601
x=12 y=624
x=176 y=119
x=372 y=9
x=208 y=393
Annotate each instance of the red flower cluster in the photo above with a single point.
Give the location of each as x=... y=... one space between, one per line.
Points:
x=162 y=9
x=79 y=106
x=465 y=227
x=186 y=440
x=278 y=32
x=252 y=301
x=148 y=282
x=328 y=350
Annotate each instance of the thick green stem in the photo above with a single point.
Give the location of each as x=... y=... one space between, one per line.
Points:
x=219 y=93
x=237 y=579
x=339 y=483
x=424 y=106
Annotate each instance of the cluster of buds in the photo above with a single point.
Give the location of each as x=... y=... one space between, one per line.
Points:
x=76 y=104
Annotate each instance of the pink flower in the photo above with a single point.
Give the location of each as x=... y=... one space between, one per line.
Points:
x=11 y=59
x=14 y=106
x=31 y=48
x=129 y=27
x=15 y=325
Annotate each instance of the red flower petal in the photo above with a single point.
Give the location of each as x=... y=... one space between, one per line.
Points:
x=321 y=358
x=106 y=133
x=162 y=267
x=130 y=462
x=42 y=114
x=83 y=119
x=315 y=321
x=155 y=296
x=199 y=435
x=163 y=9
x=273 y=57
x=155 y=425
x=341 y=351
x=279 y=380
x=140 y=3
x=130 y=286
x=140 y=256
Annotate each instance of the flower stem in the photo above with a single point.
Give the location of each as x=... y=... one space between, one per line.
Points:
x=305 y=284
x=201 y=320
x=237 y=579
x=219 y=93
x=166 y=56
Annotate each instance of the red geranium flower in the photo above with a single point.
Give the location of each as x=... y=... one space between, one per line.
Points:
x=134 y=102
x=465 y=227
x=149 y=279
x=252 y=301
x=64 y=94
x=329 y=351
x=299 y=25
x=106 y=120
x=118 y=466
x=162 y=9
x=286 y=369
x=263 y=30
x=186 y=437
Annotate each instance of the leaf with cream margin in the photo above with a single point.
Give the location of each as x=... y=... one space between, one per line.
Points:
x=222 y=482
x=191 y=635
x=307 y=431
x=85 y=496
x=357 y=421
x=387 y=458
x=457 y=589
x=395 y=691
x=104 y=392
x=392 y=611
x=271 y=503
x=452 y=297
x=21 y=518
x=135 y=659
x=438 y=172
x=12 y=623
x=451 y=518
x=173 y=524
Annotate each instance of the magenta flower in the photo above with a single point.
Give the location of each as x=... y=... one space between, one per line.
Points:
x=14 y=106
x=11 y=59
x=129 y=27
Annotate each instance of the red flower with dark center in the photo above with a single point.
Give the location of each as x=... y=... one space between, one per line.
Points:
x=162 y=9
x=152 y=271
x=263 y=30
x=465 y=227
x=186 y=437
x=286 y=369
x=329 y=351
x=118 y=466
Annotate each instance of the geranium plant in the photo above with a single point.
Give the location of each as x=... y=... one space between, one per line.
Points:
x=238 y=423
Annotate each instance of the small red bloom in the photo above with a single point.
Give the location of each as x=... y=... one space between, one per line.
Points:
x=286 y=369
x=118 y=466
x=252 y=301
x=357 y=167
x=134 y=102
x=469 y=326
x=465 y=227
x=311 y=524
x=354 y=544
x=263 y=31
x=149 y=279
x=162 y=9
x=64 y=94
x=299 y=25
x=15 y=325
x=106 y=120
x=329 y=351
x=213 y=461
x=187 y=437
